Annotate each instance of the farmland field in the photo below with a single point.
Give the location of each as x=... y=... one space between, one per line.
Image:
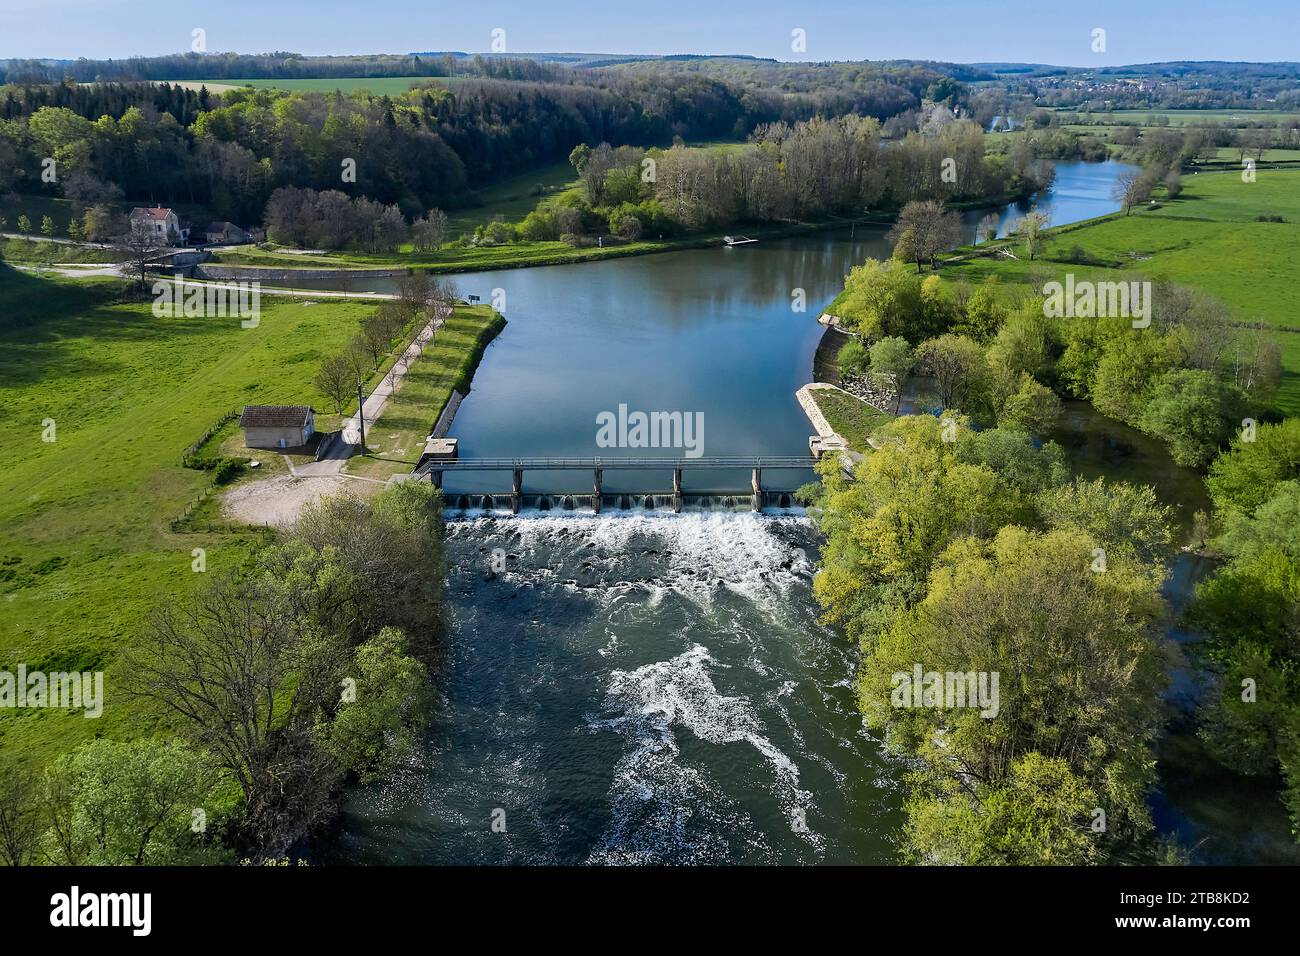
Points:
x=1213 y=222
x=1189 y=117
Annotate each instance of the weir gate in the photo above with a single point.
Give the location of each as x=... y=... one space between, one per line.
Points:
x=772 y=482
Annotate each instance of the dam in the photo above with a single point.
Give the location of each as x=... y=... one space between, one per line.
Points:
x=757 y=495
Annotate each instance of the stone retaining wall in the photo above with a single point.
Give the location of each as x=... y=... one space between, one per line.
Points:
x=279 y=274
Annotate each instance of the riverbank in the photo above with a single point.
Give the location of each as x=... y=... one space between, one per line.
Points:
x=492 y=258
x=433 y=383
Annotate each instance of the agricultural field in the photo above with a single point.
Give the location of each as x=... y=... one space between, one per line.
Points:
x=1190 y=117
x=86 y=548
x=1208 y=238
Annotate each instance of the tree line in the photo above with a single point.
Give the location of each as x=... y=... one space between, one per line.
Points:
x=787 y=172
x=1250 y=719
x=1189 y=379
x=427 y=147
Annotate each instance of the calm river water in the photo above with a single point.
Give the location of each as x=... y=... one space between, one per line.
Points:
x=645 y=687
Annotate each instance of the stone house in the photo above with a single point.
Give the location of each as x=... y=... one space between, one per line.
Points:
x=277 y=426
x=224 y=233
x=161 y=222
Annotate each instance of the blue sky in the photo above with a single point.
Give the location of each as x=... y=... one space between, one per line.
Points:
x=1041 y=31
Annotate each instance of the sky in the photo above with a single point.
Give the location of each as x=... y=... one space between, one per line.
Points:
x=1036 y=31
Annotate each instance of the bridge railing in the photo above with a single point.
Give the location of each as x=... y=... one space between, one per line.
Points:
x=614 y=464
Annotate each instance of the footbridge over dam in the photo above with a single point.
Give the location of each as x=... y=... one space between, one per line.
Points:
x=762 y=490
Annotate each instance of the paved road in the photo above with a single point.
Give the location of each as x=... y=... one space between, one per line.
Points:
x=70 y=269
x=349 y=443
x=54 y=239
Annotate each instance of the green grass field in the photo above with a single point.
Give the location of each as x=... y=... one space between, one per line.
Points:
x=1208 y=238
x=851 y=418
x=1188 y=117
x=85 y=546
x=28 y=251
x=513 y=197
x=508 y=255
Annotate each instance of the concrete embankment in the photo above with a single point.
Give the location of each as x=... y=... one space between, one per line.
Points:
x=443 y=425
x=826 y=366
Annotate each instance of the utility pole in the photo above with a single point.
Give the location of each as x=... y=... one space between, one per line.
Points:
x=361 y=413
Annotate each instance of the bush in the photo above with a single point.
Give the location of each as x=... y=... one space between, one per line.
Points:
x=227 y=470
x=539 y=226
x=854 y=357
x=498 y=233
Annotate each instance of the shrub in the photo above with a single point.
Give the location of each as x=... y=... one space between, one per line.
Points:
x=854 y=357
x=227 y=470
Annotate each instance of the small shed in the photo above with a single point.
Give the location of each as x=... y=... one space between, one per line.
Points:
x=277 y=426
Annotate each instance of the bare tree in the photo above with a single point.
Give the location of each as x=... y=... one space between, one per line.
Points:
x=377 y=337
x=923 y=230
x=138 y=248
x=956 y=363
x=1030 y=229
x=1256 y=361
x=988 y=227
x=20 y=822
x=242 y=668
x=429 y=232
x=358 y=356
x=337 y=381
x=415 y=290
x=1131 y=188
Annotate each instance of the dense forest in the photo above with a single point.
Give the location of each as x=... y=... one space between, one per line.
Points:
x=274 y=66
x=429 y=147
x=432 y=146
x=787 y=172
x=425 y=148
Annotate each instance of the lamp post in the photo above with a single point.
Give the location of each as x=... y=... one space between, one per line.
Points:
x=361 y=413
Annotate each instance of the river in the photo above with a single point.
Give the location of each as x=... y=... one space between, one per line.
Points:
x=645 y=687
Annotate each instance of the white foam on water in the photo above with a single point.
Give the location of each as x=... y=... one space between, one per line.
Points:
x=748 y=554
x=653 y=795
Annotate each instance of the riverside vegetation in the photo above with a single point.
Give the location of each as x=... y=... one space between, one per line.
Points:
x=958 y=545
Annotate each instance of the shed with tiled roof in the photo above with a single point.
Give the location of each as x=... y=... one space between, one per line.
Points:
x=277 y=426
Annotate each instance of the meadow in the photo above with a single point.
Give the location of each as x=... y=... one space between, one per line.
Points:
x=852 y=419
x=1209 y=238
x=513 y=197
x=1192 y=117
x=86 y=549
